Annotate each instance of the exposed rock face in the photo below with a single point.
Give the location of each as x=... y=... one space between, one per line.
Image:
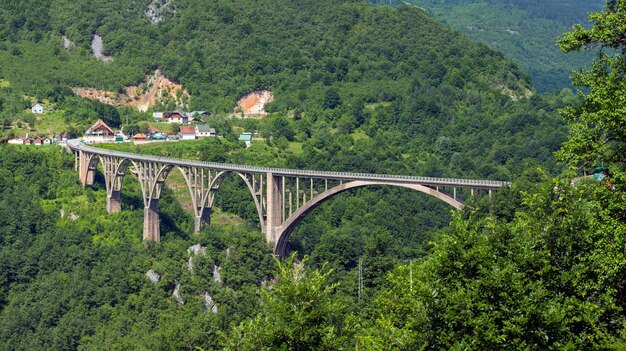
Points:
x=67 y=44
x=157 y=9
x=194 y=250
x=176 y=293
x=217 y=276
x=154 y=278
x=156 y=88
x=209 y=304
x=524 y=93
x=254 y=102
x=96 y=47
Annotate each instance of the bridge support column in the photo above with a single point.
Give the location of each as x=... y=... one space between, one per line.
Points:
x=114 y=204
x=85 y=173
x=203 y=219
x=151 y=226
x=274 y=209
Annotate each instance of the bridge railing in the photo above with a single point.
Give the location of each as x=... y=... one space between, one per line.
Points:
x=347 y=176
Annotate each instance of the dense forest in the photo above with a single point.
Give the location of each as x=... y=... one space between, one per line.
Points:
x=358 y=88
x=524 y=30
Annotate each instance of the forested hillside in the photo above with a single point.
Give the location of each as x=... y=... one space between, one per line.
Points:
x=358 y=88
x=524 y=30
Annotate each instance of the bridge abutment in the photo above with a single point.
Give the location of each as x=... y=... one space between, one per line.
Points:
x=151 y=225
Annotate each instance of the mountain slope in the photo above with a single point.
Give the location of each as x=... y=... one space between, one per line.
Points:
x=222 y=50
x=524 y=30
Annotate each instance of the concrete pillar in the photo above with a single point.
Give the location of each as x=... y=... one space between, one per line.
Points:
x=202 y=220
x=114 y=204
x=151 y=226
x=81 y=168
x=274 y=217
x=86 y=177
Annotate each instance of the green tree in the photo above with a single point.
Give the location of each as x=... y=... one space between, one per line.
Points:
x=598 y=125
x=300 y=312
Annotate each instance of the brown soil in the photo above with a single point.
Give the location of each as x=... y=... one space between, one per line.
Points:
x=254 y=102
x=155 y=88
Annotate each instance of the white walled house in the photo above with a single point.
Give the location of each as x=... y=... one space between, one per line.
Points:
x=37 y=108
x=187 y=133
x=203 y=131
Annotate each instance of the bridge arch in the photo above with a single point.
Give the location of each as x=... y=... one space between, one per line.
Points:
x=219 y=178
x=283 y=232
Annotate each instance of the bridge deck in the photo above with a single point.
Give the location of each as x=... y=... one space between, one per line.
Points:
x=346 y=176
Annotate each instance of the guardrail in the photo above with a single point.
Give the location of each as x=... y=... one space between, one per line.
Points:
x=463 y=183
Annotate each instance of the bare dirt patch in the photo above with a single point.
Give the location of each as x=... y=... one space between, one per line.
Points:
x=155 y=88
x=254 y=103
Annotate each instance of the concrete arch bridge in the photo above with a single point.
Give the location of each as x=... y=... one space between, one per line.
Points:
x=282 y=196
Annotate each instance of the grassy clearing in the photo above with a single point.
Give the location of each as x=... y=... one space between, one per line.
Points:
x=295 y=147
x=359 y=135
x=373 y=106
x=48 y=123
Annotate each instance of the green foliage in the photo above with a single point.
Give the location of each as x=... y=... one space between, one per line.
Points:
x=597 y=125
x=547 y=279
x=299 y=312
x=73 y=276
x=524 y=30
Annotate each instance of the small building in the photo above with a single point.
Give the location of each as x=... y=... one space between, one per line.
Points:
x=153 y=130
x=16 y=141
x=187 y=133
x=37 y=108
x=99 y=132
x=158 y=136
x=196 y=116
x=47 y=141
x=37 y=142
x=28 y=141
x=140 y=136
x=204 y=131
x=174 y=117
x=157 y=115
x=246 y=138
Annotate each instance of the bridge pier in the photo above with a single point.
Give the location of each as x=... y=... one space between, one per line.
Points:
x=201 y=220
x=151 y=225
x=114 y=203
x=274 y=209
x=85 y=171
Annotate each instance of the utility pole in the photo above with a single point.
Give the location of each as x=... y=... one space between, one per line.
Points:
x=411 y=275
x=360 y=277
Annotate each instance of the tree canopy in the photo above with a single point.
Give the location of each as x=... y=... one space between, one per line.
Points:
x=598 y=125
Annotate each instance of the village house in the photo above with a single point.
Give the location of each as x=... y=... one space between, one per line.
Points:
x=187 y=133
x=17 y=141
x=204 y=131
x=139 y=137
x=196 y=116
x=99 y=132
x=37 y=108
x=172 y=117
x=246 y=138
